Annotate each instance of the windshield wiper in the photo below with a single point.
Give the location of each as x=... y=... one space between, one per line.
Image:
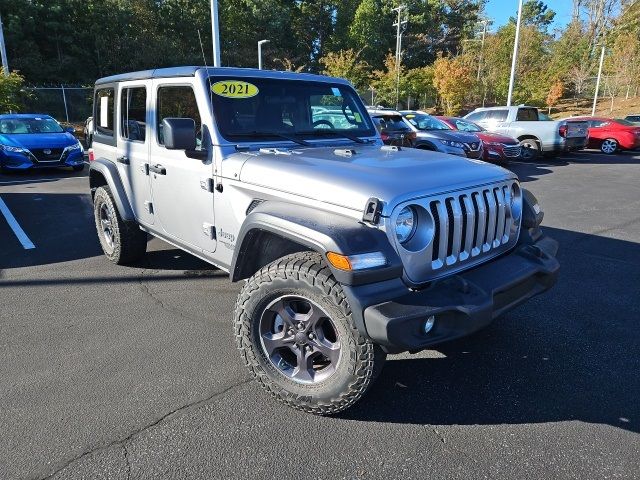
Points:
x=318 y=132
x=256 y=133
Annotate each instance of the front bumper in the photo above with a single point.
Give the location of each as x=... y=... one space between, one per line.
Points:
x=464 y=303
x=19 y=161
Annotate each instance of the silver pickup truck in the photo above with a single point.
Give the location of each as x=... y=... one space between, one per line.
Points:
x=347 y=249
x=535 y=131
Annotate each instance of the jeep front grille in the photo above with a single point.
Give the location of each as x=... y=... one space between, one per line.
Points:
x=468 y=227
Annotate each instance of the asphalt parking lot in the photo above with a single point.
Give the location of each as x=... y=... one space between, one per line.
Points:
x=131 y=372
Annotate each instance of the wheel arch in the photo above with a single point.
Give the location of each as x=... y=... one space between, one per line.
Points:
x=275 y=229
x=103 y=172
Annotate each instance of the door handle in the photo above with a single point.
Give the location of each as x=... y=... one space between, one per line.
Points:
x=123 y=159
x=159 y=169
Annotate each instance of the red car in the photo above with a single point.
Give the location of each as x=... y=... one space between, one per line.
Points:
x=497 y=148
x=611 y=135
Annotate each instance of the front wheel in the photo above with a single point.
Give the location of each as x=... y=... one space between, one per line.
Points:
x=294 y=329
x=609 y=146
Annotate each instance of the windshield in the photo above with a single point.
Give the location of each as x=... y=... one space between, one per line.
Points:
x=258 y=109
x=426 y=122
x=466 y=126
x=16 y=126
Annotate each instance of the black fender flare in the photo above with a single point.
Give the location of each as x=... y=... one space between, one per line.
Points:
x=106 y=169
x=319 y=231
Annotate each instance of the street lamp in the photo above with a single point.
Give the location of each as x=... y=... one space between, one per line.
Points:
x=595 y=97
x=260 y=43
x=215 y=33
x=515 y=55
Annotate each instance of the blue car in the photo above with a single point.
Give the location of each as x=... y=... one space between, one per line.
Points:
x=30 y=141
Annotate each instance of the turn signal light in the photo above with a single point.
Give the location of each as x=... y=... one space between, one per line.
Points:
x=92 y=156
x=339 y=261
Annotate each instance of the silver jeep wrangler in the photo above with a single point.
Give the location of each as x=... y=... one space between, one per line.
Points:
x=349 y=249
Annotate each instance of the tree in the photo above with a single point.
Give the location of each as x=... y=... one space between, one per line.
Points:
x=346 y=64
x=555 y=94
x=12 y=92
x=384 y=81
x=535 y=13
x=453 y=81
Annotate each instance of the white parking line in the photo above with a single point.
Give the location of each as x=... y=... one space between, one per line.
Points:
x=15 y=226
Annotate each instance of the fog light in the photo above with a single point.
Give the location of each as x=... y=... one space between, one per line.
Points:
x=428 y=324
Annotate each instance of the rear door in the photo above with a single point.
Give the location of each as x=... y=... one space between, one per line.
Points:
x=181 y=186
x=132 y=154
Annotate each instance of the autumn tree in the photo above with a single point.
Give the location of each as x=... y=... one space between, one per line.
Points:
x=453 y=81
x=555 y=94
x=346 y=64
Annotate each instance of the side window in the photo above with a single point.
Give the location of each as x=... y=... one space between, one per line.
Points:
x=527 y=115
x=104 y=105
x=177 y=102
x=477 y=116
x=498 y=115
x=133 y=113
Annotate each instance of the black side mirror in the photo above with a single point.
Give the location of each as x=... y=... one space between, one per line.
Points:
x=179 y=133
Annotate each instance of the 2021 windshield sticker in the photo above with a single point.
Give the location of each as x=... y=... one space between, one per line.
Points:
x=234 y=89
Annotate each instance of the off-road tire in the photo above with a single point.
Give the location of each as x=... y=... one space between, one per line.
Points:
x=305 y=274
x=129 y=242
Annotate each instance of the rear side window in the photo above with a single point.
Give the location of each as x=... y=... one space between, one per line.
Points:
x=497 y=115
x=133 y=113
x=104 y=104
x=477 y=116
x=177 y=102
x=527 y=115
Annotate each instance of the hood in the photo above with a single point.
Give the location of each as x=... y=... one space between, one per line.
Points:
x=453 y=135
x=38 y=140
x=497 y=137
x=324 y=174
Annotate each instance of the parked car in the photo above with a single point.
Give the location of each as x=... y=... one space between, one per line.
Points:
x=496 y=148
x=348 y=249
x=610 y=135
x=535 y=131
x=88 y=128
x=392 y=127
x=436 y=135
x=635 y=119
x=30 y=141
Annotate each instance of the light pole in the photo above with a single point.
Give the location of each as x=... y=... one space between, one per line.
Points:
x=595 y=97
x=3 y=50
x=400 y=25
x=515 y=55
x=260 y=43
x=215 y=31
x=484 y=34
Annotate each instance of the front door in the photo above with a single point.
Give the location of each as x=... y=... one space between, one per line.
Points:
x=132 y=154
x=182 y=197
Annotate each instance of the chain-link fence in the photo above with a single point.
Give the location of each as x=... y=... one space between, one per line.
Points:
x=65 y=104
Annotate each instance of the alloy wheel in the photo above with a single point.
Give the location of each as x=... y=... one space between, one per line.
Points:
x=106 y=223
x=609 y=146
x=299 y=339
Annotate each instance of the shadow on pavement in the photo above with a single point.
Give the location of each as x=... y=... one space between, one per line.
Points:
x=571 y=354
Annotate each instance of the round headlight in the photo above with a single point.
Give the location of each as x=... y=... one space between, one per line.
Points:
x=406 y=224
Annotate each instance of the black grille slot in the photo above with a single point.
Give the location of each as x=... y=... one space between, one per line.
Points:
x=464 y=223
x=436 y=235
x=474 y=199
x=447 y=204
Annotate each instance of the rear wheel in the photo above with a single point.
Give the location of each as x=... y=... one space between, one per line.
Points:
x=122 y=242
x=530 y=149
x=609 y=146
x=294 y=329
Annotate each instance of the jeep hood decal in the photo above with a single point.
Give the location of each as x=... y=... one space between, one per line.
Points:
x=391 y=176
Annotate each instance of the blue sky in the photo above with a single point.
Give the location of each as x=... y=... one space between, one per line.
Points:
x=501 y=10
